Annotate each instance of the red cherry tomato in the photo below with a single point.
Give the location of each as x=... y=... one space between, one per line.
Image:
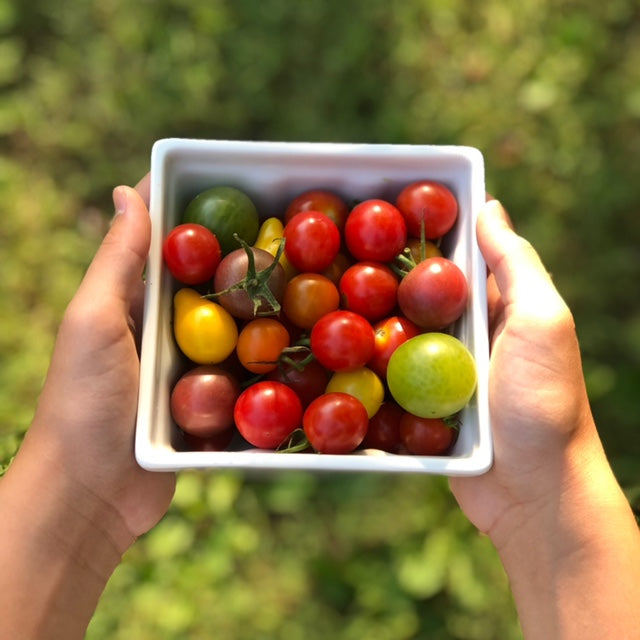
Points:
x=342 y=341
x=430 y=202
x=192 y=253
x=312 y=241
x=433 y=294
x=426 y=436
x=370 y=289
x=321 y=200
x=389 y=334
x=266 y=413
x=335 y=423
x=375 y=230
x=384 y=429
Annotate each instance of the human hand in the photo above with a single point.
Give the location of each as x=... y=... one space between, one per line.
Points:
x=84 y=424
x=539 y=409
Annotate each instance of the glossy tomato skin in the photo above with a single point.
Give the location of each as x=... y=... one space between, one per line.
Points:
x=434 y=293
x=308 y=297
x=384 y=429
x=431 y=202
x=192 y=253
x=225 y=211
x=322 y=200
x=260 y=344
x=266 y=413
x=432 y=375
x=375 y=230
x=426 y=436
x=370 y=289
x=202 y=400
x=312 y=241
x=308 y=380
x=335 y=423
x=389 y=334
x=216 y=442
x=361 y=383
x=233 y=269
x=342 y=340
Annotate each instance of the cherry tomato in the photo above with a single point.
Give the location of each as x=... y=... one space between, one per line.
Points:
x=384 y=428
x=204 y=330
x=321 y=200
x=216 y=442
x=335 y=423
x=266 y=413
x=192 y=253
x=432 y=375
x=426 y=436
x=202 y=400
x=370 y=289
x=420 y=252
x=225 y=211
x=433 y=294
x=246 y=292
x=389 y=334
x=361 y=383
x=308 y=297
x=430 y=202
x=309 y=380
x=260 y=343
x=312 y=241
x=342 y=340
x=335 y=270
x=375 y=230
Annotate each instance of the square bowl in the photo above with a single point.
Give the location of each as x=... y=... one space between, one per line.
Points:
x=272 y=174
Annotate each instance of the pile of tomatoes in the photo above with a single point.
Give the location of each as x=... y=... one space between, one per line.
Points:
x=324 y=330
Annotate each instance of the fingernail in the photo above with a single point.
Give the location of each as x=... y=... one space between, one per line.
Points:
x=495 y=208
x=119 y=200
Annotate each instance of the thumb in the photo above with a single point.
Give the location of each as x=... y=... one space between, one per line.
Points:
x=518 y=270
x=117 y=267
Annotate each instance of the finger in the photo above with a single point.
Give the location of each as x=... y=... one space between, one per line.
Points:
x=117 y=267
x=144 y=188
x=519 y=273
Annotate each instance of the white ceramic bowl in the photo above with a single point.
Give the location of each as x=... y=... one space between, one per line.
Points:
x=272 y=173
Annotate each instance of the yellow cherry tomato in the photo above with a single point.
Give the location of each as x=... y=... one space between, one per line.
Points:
x=269 y=238
x=204 y=330
x=361 y=383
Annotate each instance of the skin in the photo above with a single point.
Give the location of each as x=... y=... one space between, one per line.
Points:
x=551 y=505
x=74 y=500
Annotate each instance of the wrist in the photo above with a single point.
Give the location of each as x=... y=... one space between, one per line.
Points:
x=59 y=545
x=573 y=559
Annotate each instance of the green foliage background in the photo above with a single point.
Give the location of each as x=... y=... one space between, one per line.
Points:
x=548 y=90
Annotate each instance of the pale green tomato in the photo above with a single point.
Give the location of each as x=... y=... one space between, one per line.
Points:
x=361 y=383
x=432 y=375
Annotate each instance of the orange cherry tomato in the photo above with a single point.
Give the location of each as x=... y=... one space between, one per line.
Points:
x=260 y=344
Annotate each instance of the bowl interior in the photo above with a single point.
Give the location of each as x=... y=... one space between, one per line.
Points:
x=272 y=174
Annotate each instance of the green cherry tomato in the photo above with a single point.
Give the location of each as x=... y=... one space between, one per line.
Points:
x=225 y=210
x=432 y=375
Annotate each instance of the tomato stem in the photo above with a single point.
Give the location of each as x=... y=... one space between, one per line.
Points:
x=256 y=283
x=296 y=442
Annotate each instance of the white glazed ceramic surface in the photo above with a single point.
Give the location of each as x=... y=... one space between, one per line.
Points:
x=273 y=173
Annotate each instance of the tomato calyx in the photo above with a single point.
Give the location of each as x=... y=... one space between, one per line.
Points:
x=298 y=364
x=296 y=442
x=255 y=283
x=406 y=261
